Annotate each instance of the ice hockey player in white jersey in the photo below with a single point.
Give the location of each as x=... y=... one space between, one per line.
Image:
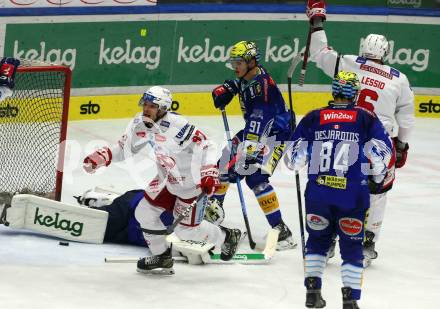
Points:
x=186 y=167
x=384 y=90
x=8 y=67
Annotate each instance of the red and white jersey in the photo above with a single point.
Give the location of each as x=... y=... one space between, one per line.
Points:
x=180 y=150
x=382 y=86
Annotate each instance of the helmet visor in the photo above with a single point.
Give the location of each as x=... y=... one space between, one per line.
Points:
x=148 y=98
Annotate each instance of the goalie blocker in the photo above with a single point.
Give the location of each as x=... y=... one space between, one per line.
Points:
x=56 y=219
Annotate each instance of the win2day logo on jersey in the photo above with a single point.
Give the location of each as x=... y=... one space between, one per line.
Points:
x=328 y=116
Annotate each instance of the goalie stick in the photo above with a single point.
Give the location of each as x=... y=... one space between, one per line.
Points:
x=203 y=248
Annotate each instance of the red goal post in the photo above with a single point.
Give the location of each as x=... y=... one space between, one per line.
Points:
x=33 y=128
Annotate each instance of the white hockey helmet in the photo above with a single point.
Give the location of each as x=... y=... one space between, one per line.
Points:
x=375 y=46
x=157 y=95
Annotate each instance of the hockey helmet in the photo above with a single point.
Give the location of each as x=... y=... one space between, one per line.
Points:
x=375 y=46
x=245 y=50
x=157 y=95
x=346 y=86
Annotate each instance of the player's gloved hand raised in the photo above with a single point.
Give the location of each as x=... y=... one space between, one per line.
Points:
x=8 y=67
x=316 y=11
x=101 y=157
x=223 y=94
x=401 y=152
x=209 y=181
x=375 y=185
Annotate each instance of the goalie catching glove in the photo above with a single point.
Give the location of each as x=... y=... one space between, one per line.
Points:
x=101 y=157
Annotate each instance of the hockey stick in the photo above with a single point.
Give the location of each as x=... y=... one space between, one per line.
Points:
x=305 y=59
x=240 y=191
x=292 y=67
x=183 y=215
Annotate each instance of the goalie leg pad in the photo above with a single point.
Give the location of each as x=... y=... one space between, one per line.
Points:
x=57 y=219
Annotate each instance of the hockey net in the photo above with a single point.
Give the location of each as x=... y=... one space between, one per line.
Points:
x=33 y=125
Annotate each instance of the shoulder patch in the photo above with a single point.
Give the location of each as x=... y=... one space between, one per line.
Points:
x=394 y=72
x=361 y=60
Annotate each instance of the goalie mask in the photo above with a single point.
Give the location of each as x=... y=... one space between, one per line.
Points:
x=375 y=46
x=159 y=96
x=346 y=85
x=245 y=50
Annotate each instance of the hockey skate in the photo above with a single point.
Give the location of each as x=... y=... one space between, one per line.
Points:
x=347 y=301
x=285 y=239
x=368 y=250
x=313 y=297
x=230 y=244
x=161 y=264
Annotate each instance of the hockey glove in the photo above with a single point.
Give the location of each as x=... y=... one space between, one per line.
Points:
x=209 y=179
x=254 y=151
x=214 y=212
x=223 y=94
x=101 y=157
x=8 y=67
x=316 y=12
x=375 y=187
x=401 y=152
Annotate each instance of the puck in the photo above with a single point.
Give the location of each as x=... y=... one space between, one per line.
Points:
x=63 y=243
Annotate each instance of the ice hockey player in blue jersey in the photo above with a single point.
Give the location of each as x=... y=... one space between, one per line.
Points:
x=122 y=226
x=260 y=145
x=347 y=151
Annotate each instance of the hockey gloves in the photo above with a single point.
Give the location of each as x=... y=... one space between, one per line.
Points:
x=224 y=94
x=316 y=12
x=375 y=187
x=209 y=181
x=401 y=152
x=214 y=212
x=8 y=67
x=101 y=157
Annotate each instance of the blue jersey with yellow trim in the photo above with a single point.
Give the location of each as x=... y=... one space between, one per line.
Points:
x=263 y=106
x=342 y=147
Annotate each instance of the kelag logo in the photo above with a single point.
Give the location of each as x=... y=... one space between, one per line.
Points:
x=8 y=111
x=429 y=107
x=89 y=108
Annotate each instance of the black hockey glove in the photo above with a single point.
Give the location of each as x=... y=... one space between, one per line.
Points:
x=401 y=152
x=375 y=187
x=8 y=67
x=224 y=94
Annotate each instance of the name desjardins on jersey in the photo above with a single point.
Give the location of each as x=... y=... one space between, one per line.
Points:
x=336 y=135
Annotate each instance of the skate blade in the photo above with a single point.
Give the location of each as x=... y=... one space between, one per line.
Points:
x=156 y=271
x=286 y=244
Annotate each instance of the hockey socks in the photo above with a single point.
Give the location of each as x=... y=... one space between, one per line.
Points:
x=268 y=201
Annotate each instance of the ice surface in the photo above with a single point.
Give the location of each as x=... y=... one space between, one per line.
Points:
x=36 y=272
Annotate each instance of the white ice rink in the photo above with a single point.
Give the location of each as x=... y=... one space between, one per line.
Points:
x=35 y=272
